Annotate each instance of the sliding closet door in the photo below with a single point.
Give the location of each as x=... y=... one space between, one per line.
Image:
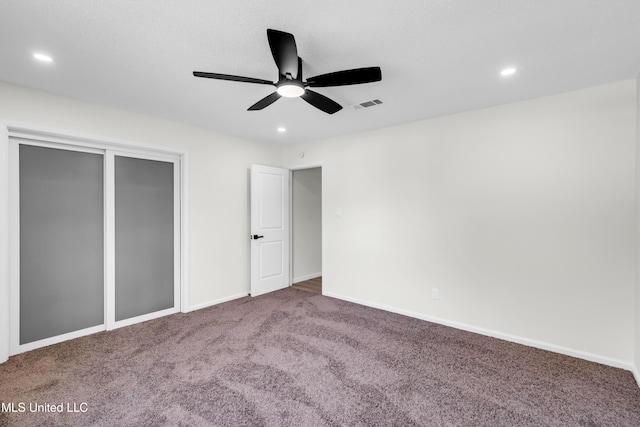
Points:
x=95 y=237
x=145 y=229
x=61 y=215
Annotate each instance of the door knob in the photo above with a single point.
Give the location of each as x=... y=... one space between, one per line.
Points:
x=255 y=237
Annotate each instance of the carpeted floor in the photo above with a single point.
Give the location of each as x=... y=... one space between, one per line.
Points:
x=301 y=359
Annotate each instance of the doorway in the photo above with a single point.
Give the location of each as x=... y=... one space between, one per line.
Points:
x=306 y=229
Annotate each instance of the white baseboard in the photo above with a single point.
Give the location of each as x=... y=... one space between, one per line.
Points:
x=307 y=277
x=636 y=375
x=616 y=363
x=217 y=301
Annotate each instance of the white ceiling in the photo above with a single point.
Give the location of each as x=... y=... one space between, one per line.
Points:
x=437 y=56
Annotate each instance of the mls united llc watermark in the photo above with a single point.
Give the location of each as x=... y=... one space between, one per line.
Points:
x=22 y=407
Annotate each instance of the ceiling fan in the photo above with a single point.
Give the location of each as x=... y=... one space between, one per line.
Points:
x=290 y=83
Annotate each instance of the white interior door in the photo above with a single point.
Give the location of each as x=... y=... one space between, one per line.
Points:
x=269 y=229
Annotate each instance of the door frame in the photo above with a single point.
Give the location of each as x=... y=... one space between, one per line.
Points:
x=322 y=217
x=61 y=137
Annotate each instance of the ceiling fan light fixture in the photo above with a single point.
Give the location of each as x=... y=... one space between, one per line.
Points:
x=290 y=90
x=42 y=57
x=508 y=71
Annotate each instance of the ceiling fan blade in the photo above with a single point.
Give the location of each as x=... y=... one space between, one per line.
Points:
x=265 y=102
x=321 y=102
x=230 y=77
x=347 y=77
x=284 y=51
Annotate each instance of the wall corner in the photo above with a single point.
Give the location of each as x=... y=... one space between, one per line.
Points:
x=636 y=329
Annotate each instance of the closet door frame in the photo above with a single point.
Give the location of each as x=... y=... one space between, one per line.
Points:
x=9 y=221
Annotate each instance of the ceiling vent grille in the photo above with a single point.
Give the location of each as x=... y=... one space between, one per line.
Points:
x=366 y=104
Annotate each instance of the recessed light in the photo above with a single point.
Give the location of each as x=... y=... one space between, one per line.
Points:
x=282 y=129
x=42 y=57
x=508 y=72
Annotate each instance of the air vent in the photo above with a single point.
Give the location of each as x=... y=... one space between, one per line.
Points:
x=366 y=104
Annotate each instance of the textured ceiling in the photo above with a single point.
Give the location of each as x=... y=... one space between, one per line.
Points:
x=437 y=56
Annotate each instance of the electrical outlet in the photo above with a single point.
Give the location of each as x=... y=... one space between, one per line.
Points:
x=435 y=293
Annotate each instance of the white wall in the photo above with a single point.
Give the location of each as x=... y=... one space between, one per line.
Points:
x=522 y=215
x=218 y=179
x=307 y=223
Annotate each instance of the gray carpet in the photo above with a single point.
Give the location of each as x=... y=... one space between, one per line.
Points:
x=301 y=359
